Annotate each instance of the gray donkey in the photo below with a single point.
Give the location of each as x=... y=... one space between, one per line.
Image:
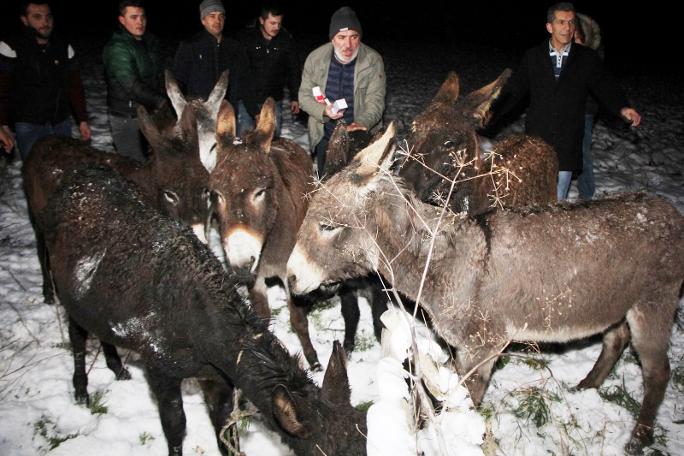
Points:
x=550 y=274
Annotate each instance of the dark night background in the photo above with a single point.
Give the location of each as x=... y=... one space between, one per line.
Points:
x=629 y=32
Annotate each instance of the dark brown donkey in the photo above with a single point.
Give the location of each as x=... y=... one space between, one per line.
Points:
x=173 y=180
x=140 y=280
x=259 y=189
x=613 y=267
x=443 y=144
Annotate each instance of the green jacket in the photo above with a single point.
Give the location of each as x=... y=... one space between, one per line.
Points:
x=369 y=89
x=133 y=71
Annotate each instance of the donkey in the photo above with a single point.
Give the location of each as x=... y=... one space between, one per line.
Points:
x=258 y=191
x=550 y=274
x=137 y=279
x=519 y=171
x=173 y=180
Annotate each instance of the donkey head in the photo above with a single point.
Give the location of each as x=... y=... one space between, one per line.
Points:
x=445 y=134
x=178 y=174
x=245 y=186
x=206 y=113
x=337 y=240
x=322 y=422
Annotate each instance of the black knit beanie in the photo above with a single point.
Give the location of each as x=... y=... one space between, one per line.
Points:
x=344 y=19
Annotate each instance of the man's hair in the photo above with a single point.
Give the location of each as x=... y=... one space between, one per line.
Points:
x=123 y=4
x=23 y=6
x=561 y=6
x=271 y=8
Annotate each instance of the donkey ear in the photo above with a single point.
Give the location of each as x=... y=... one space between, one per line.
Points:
x=225 y=133
x=335 y=388
x=266 y=126
x=149 y=129
x=376 y=156
x=285 y=413
x=448 y=92
x=479 y=103
x=175 y=95
x=219 y=91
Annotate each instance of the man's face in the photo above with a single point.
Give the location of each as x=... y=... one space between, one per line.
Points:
x=562 y=29
x=39 y=18
x=213 y=23
x=134 y=21
x=270 y=26
x=346 y=44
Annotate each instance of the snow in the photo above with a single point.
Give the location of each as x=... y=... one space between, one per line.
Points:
x=38 y=412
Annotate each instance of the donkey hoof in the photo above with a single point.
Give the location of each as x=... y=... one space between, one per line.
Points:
x=642 y=436
x=48 y=298
x=316 y=366
x=123 y=374
x=82 y=398
x=348 y=347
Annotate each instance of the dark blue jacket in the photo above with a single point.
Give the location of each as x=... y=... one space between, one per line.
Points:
x=199 y=62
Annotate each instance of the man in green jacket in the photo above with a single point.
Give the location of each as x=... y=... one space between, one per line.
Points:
x=344 y=69
x=133 y=71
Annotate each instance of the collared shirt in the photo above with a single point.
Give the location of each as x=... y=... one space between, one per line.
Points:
x=558 y=58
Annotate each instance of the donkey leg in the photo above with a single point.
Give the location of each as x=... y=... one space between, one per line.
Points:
x=650 y=338
x=43 y=259
x=258 y=296
x=481 y=364
x=378 y=302
x=114 y=362
x=170 y=402
x=614 y=342
x=300 y=325
x=351 y=315
x=78 y=337
x=218 y=395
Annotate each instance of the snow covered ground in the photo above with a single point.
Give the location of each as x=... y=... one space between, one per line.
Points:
x=529 y=406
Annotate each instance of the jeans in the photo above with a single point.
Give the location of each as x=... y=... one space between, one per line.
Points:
x=563 y=187
x=126 y=136
x=585 y=181
x=28 y=133
x=246 y=122
x=320 y=151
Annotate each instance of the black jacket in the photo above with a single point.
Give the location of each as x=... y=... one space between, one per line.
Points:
x=556 y=110
x=274 y=63
x=199 y=62
x=39 y=83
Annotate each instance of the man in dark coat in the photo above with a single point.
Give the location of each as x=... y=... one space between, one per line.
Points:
x=273 y=61
x=200 y=61
x=40 y=83
x=558 y=76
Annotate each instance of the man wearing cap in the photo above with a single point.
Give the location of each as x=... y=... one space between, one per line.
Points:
x=344 y=68
x=200 y=61
x=133 y=71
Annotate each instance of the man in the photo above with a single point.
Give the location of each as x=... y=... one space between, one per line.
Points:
x=40 y=83
x=344 y=68
x=273 y=62
x=200 y=61
x=133 y=71
x=558 y=78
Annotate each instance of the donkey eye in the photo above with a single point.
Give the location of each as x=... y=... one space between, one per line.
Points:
x=327 y=227
x=171 y=197
x=448 y=143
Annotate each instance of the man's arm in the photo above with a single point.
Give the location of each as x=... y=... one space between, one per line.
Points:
x=182 y=62
x=294 y=75
x=375 y=97
x=77 y=97
x=7 y=57
x=121 y=65
x=307 y=102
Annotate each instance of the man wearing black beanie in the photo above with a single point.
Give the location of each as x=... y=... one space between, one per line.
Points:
x=347 y=69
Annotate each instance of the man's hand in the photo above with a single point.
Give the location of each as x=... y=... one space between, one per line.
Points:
x=334 y=116
x=631 y=115
x=294 y=107
x=354 y=126
x=85 y=131
x=6 y=139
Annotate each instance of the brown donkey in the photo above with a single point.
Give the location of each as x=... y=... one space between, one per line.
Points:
x=443 y=144
x=556 y=274
x=259 y=188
